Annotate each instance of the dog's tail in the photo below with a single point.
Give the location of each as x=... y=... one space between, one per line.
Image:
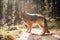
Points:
x=45 y=22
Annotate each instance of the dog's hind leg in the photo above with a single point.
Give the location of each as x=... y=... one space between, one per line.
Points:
x=42 y=26
x=46 y=26
x=47 y=31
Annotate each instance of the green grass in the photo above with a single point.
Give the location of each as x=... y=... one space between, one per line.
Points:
x=11 y=34
x=55 y=31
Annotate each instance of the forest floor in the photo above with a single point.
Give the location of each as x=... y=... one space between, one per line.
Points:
x=35 y=35
x=19 y=32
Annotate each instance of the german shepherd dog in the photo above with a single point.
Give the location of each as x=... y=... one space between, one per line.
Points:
x=31 y=19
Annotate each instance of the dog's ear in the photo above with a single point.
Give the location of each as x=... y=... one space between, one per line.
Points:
x=25 y=12
x=22 y=11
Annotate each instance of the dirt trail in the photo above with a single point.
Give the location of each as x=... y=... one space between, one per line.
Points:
x=35 y=35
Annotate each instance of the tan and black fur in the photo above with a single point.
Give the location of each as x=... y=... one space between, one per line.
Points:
x=31 y=19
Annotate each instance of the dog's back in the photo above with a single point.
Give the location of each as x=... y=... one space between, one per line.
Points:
x=34 y=17
x=31 y=17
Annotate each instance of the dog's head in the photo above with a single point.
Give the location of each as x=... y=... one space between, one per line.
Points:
x=22 y=14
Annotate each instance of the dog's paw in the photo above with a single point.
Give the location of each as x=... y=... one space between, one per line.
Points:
x=48 y=32
x=28 y=31
x=42 y=34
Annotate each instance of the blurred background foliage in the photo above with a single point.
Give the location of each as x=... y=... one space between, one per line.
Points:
x=10 y=9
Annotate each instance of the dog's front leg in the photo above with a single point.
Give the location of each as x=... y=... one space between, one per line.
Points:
x=29 y=27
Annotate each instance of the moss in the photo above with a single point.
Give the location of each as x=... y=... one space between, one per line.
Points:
x=53 y=24
x=7 y=36
x=13 y=28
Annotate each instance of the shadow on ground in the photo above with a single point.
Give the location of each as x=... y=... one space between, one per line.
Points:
x=43 y=37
